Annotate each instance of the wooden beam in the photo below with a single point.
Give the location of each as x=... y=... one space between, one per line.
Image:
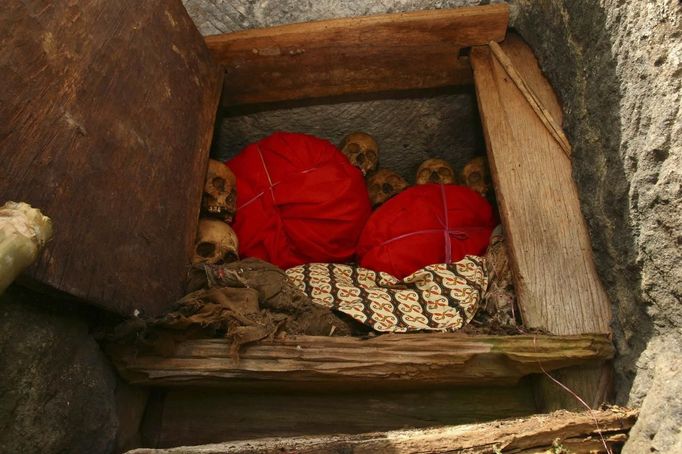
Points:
x=106 y=119
x=356 y=55
x=198 y=416
x=556 y=281
x=543 y=114
x=550 y=252
x=525 y=62
x=390 y=361
x=580 y=432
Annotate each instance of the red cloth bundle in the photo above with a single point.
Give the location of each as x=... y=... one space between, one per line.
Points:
x=299 y=200
x=425 y=225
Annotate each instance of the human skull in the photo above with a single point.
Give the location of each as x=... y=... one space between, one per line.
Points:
x=220 y=192
x=216 y=243
x=435 y=171
x=361 y=150
x=475 y=175
x=383 y=185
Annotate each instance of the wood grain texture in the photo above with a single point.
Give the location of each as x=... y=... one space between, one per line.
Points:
x=557 y=284
x=556 y=281
x=358 y=55
x=389 y=361
x=534 y=434
x=526 y=64
x=532 y=100
x=191 y=417
x=106 y=118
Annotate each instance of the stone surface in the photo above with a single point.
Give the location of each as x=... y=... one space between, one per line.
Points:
x=617 y=67
x=659 y=428
x=222 y=16
x=56 y=387
x=408 y=131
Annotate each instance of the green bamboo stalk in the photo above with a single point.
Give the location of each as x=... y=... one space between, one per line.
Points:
x=23 y=233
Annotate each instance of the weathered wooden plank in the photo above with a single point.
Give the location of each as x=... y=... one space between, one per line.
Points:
x=550 y=251
x=388 y=361
x=534 y=434
x=106 y=117
x=526 y=63
x=190 y=417
x=356 y=55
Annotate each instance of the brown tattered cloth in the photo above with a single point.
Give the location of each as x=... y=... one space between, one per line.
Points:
x=441 y=297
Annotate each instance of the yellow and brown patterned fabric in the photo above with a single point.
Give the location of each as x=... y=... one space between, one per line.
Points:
x=441 y=297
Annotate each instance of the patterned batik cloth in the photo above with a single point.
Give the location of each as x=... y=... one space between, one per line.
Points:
x=441 y=297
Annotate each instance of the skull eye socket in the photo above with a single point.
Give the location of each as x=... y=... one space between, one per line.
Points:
x=444 y=172
x=474 y=177
x=229 y=257
x=371 y=155
x=351 y=148
x=387 y=188
x=219 y=184
x=205 y=249
x=396 y=182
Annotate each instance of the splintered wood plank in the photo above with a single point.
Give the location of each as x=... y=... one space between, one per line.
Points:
x=388 y=361
x=581 y=433
x=356 y=55
x=198 y=416
x=556 y=281
x=106 y=118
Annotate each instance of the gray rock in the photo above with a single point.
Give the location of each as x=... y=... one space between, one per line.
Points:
x=659 y=380
x=56 y=388
x=223 y=16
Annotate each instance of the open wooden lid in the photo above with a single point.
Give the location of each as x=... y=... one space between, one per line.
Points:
x=106 y=119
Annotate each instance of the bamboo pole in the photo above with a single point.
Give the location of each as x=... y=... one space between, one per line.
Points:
x=23 y=232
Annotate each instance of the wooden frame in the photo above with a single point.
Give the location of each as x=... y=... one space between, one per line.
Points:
x=394 y=361
x=556 y=281
x=559 y=291
x=190 y=416
x=354 y=56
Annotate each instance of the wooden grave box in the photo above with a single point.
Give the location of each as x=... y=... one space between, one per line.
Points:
x=111 y=134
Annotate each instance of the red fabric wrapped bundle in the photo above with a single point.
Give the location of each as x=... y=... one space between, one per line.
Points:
x=425 y=225
x=299 y=200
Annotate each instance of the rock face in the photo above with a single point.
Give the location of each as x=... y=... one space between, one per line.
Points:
x=222 y=16
x=660 y=419
x=56 y=387
x=617 y=67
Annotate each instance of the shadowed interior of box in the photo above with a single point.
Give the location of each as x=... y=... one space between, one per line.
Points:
x=408 y=129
